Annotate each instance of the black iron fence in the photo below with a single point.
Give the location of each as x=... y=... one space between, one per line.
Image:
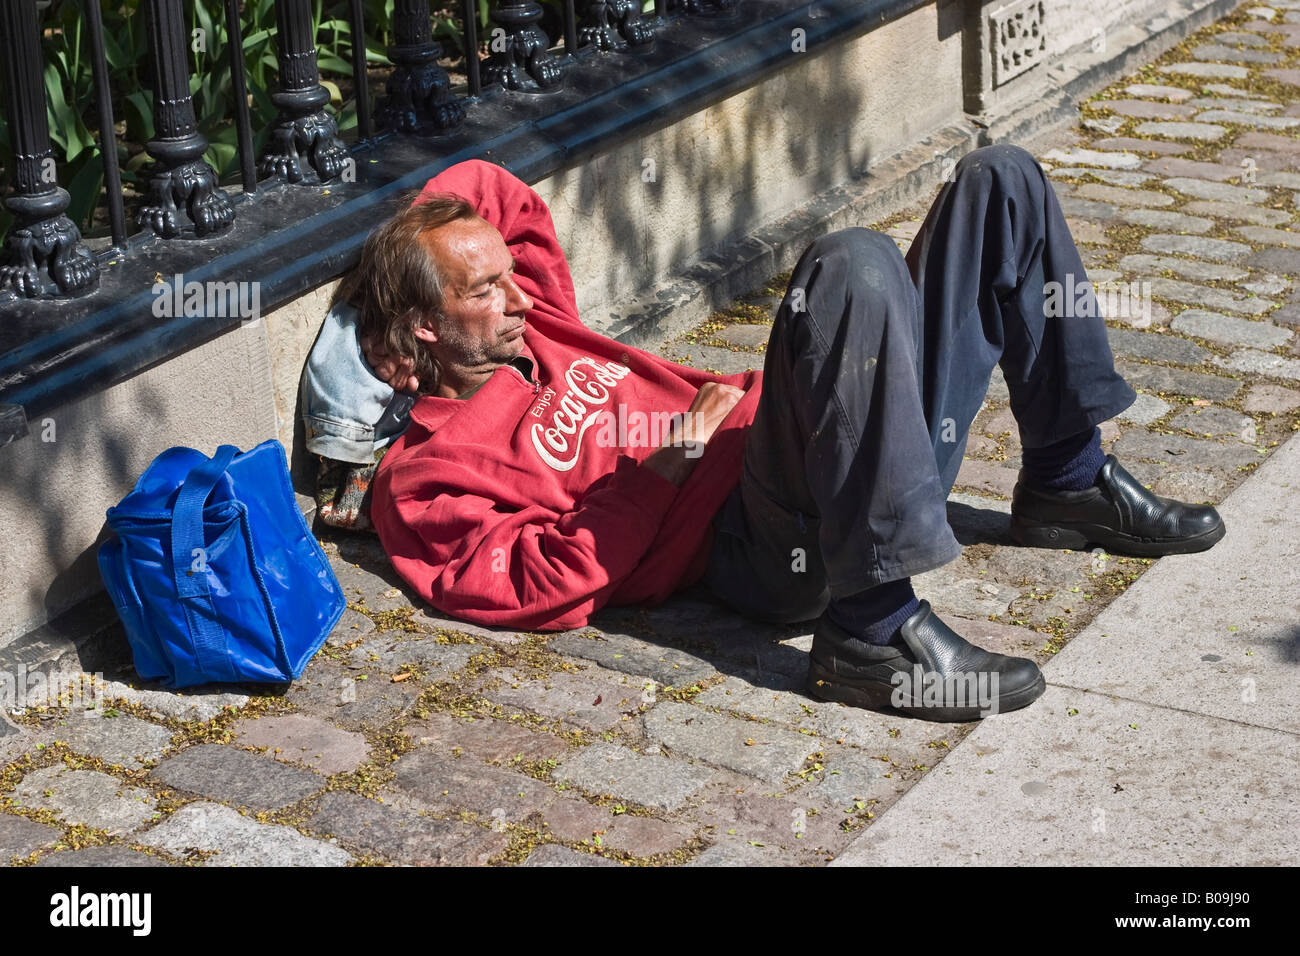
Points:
x=44 y=255
x=81 y=314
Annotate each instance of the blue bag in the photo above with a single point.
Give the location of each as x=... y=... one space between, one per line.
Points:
x=214 y=572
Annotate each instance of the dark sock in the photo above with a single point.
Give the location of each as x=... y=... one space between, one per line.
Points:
x=875 y=614
x=1067 y=465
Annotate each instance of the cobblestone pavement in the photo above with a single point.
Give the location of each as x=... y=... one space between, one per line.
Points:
x=680 y=735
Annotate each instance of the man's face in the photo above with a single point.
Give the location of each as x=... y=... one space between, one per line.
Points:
x=483 y=309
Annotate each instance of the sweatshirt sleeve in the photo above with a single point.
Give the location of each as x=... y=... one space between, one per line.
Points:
x=528 y=568
x=525 y=223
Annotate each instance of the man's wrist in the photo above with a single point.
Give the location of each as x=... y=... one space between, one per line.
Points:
x=673 y=463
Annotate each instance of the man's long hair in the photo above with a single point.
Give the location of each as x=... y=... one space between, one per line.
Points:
x=396 y=287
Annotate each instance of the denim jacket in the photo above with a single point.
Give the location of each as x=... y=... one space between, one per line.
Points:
x=348 y=412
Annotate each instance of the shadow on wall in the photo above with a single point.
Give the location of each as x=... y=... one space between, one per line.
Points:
x=808 y=123
x=727 y=177
x=76 y=463
x=302 y=463
x=82 y=459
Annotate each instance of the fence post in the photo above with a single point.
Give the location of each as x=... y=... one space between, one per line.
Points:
x=43 y=254
x=710 y=8
x=303 y=129
x=419 y=91
x=605 y=21
x=519 y=60
x=179 y=181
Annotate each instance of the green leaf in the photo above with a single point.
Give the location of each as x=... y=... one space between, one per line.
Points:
x=329 y=63
x=140 y=112
x=66 y=127
x=84 y=180
x=133 y=164
x=224 y=158
x=268 y=63
x=224 y=134
x=264 y=110
x=114 y=55
x=347 y=118
x=203 y=21
x=255 y=38
x=336 y=97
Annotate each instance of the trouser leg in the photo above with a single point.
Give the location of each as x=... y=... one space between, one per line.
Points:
x=860 y=364
x=840 y=490
x=983 y=263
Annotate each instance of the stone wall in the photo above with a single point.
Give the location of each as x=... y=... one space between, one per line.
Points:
x=1071 y=24
x=56 y=483
x=755 y=156
x=1012 y=45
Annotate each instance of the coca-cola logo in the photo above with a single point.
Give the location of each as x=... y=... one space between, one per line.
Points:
x=590 y=385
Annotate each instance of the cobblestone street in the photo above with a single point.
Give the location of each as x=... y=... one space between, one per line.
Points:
x=681 y=735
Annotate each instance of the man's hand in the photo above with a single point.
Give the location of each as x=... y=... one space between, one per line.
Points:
x=681 y=449
x=713 y=402
x=396 y=371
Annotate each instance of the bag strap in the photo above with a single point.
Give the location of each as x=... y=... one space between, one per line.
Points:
x=281 y=650
x=192 y=588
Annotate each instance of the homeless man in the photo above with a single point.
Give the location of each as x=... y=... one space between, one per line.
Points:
x=523 y=491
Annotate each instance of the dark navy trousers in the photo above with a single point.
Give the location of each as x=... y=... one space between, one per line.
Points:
x=875 y=369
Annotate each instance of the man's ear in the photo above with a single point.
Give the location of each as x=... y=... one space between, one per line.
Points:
x=425 y=331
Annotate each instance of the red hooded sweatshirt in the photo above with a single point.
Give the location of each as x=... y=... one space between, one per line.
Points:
x=525 y=505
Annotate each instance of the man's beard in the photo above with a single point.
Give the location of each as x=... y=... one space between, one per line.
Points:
x=467 y=353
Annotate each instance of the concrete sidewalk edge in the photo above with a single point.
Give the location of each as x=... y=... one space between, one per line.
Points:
x=1141 y=753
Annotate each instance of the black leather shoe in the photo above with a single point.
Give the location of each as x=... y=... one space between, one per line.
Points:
x=932 y=673
x=1117 y=513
